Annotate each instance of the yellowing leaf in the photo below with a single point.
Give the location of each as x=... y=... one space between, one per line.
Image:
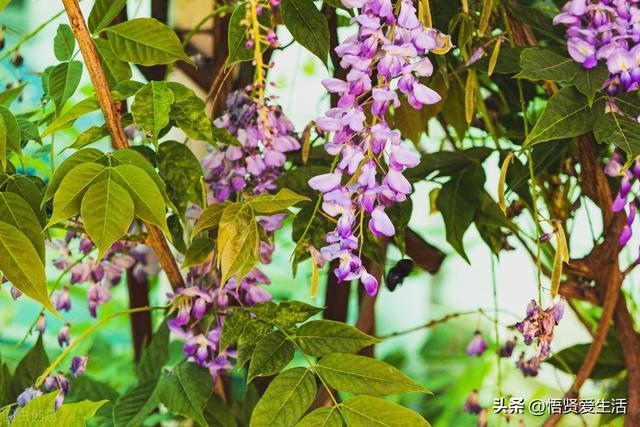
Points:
x=503 y=176
x=469 y=95
x=238 y=241
x=562 y=254
x=494 y=56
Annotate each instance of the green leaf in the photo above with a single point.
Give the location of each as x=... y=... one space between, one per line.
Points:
x=103 y=13
x=188 y=112
x=458 y=201
x=146 y=41
x=447 y=163
x=151 y=108
x=132 y=408
x=147 y=198
x=199 y=250
x=307 y=25
x=64 y=43
x=64 y=81
x=11 y=130
x=210 y=217
x=20 y=263
x=3 y=144
x=508 y=61
x=361 y=411
x=67 y=118
x=234 y=324
x=289 y=313
x=186 y=390
x=155 y=355
x=251 y=334
x=238 y=35
x=107 y=211
x=618 y=129
x=29 y=369
x=15 y=211
x=181 y=172
x=8 y=96
x=364 y=375
x=177 y=233
x=29 y=191
x=218 y=414
x=86 y=155
x=320 y=337
x=68 y=197
x=5 y=383
x=610 y=363
x=28 y=131
x=116 y=69
x=566 y=115
x=270 y=204
x=272 y=354
x=238 y=241
x=588 y=82
x=42 y=409
x=545 y=64
x=286 y=399
x=322 y=417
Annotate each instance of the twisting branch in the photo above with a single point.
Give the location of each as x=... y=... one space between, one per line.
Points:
x=155 y=239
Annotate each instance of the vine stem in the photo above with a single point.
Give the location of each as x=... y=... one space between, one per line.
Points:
x=155 y=239
x=85 y=334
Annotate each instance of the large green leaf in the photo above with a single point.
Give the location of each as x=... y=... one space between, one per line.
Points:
x=132 y=408
x=186 y=390
x=64 y=43
x=84 y=387
x=103 y=13
x=210 y=217
x=238 y=241
x=610 y=363
x=289 y=313
x=10 y=132
x=447 y=163
x=218 y=414
x=367 y=411
x=107 y=211
x=146 y=41
x=546 y=64
x=28 y=131
x=66 y=119
x=566 y=115
x=307 y=25
x=198 y=251
x=68 y=197
x=237 y=37
x=618 y=129
x=27 y=188
x=272 y=354
x=151 y=108
x=458 y=201
x=154 y=355
x=116 y=69
x=81 y=156
x=270 y=204
x=286 y=399
x=20 y=263
x=63 y=82
x=42 y=409
x=29 y=369
x=322 y=417
x=364 y=375
x=253 y=331
x=320 y=337
x=181 y=172
x=188 y=112
x=147 y=198
x=588 y=82
x=14 y=210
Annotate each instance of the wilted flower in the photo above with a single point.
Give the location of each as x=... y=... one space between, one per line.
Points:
x=540 y=325
x=477 y=346
x=529 y=367
x=78 y=365
x=507 y=349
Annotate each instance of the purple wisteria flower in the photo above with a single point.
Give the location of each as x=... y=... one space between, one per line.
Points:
x=529 y=367
x=625 y=197
x=64 y=336
x=507 y=349
x=605 y=31
x=477 y=345
x=265 y=142
x=540 y=325
x=78 y=365
x=395 y=48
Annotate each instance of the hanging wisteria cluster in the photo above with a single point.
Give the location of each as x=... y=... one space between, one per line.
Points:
x=266 y=136
x=395 y=49
x=605 y=32
x=615 y=168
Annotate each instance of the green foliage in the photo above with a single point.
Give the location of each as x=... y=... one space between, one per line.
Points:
x=42 y=410
x=185 y=390
x=620 y=130
x=360 y=411
x=63 y=82
x=307 y=25
x=34 y=362
x=154 y=355
x=181 y=172
x=64 y=43
x=320 y=337
x=188 y=112
x=145 y=41
x=151 y=108
x=103 y=13
x=272 y=353
x=133 y=407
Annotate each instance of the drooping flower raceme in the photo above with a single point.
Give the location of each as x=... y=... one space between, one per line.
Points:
x=625 y=197
x=538 y=325
x=368 y=176
x=605 y=32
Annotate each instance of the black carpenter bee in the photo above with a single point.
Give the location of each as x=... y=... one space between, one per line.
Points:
x=397 y=273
